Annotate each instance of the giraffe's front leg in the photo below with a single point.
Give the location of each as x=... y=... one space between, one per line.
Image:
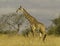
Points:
x=33 y=30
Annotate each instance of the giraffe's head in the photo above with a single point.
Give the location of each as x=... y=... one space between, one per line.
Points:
x=20 y=9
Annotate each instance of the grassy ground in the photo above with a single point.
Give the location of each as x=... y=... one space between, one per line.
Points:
x=6 y=40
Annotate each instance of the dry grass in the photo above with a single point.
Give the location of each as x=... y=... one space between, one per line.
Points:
x=16 y=40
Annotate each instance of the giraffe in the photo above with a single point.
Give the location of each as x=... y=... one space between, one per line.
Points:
x=35 y=25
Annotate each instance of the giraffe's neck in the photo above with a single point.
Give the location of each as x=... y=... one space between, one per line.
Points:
x=30 y=18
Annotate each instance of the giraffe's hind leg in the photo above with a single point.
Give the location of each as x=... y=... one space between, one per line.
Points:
x=44 y=37
x=43 y=32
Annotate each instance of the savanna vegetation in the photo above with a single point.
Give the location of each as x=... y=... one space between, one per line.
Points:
x=10 y=34
x=54 y=27
x=16 y=40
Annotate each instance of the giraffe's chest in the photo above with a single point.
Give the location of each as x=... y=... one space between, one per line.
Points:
x=34 y=25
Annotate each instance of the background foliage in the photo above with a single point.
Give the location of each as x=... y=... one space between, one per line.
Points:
x=55 y=27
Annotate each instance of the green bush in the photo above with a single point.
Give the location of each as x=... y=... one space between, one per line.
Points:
x=55 y=27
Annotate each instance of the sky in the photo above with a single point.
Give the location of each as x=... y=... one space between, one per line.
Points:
x=42 y=10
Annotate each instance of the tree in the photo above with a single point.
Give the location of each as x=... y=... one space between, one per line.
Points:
x=55 y=28
x=56 y=21
x=10 y=22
